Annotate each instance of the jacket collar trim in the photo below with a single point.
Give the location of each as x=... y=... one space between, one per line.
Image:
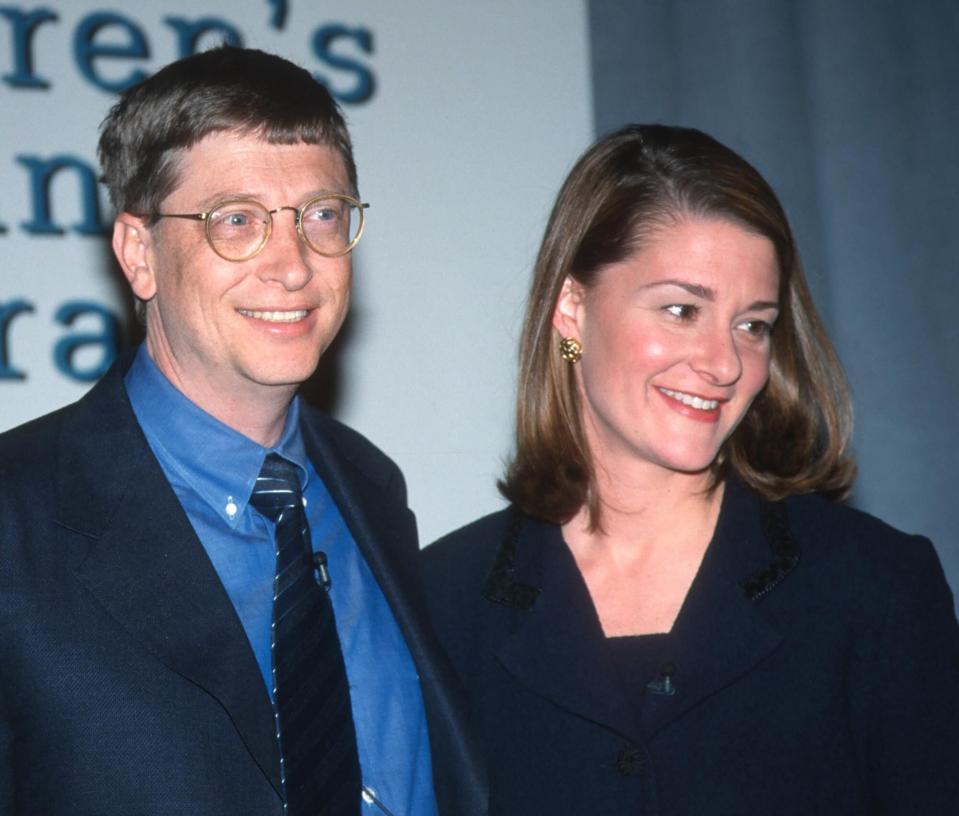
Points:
x=502 y=587
x=785 y=551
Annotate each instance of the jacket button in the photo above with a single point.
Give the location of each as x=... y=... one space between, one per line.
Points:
x=631 y=760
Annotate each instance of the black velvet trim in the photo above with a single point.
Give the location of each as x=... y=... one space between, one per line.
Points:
x=772 y=517
x=502 y=588
x=500 y=585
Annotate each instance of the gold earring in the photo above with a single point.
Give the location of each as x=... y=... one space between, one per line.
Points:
x=570 y=349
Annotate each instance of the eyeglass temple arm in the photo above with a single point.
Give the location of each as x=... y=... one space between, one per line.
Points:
x=189 y=216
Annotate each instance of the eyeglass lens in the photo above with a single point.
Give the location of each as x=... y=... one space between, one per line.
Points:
x=238 y=229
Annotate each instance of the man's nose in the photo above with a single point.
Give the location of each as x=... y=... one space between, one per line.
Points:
x=286 y=258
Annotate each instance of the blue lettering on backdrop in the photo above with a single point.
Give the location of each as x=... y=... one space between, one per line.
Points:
x=42 y=172
x=126 y=40
x=108 y=338
x=278 y=18
x=85 y=49
x=8 y=311
x=323 y=41
x=65 y=350
x=190 y=32
x=23 y=26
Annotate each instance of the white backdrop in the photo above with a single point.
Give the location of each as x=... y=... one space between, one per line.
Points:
x=477 y=112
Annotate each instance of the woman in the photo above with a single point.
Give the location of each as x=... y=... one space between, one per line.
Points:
x=673 y=616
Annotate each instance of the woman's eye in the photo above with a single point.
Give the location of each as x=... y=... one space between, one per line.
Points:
x=757 y=328
x=684 y=311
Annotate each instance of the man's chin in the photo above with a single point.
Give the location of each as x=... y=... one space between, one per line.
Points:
x=286 y=377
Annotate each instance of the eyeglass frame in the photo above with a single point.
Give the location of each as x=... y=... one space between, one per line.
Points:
x=360 y=206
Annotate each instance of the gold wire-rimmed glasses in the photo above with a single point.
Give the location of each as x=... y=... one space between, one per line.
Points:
x=237 y=229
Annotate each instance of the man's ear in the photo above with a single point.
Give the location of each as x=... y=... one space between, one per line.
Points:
x=131 y=245
x=568 y=314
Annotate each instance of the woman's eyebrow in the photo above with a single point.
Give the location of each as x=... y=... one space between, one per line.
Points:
x=703 y=292
x=706 y=293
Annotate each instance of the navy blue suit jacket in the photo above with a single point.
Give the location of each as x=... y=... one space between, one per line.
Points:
x=816 y=667
x=127 y=684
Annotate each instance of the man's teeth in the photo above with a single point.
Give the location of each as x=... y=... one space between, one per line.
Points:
x=275 y=317
x=691 y=401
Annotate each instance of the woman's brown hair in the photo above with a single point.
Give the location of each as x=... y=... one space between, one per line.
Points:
x=795 y=436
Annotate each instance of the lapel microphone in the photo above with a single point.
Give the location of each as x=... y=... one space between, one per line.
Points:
x=321 y=571
x=664 y=683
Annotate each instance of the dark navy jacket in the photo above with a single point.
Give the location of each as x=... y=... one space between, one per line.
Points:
x=816 y=667
x=127 y=684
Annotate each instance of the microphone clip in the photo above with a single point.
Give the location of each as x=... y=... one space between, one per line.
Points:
x=321 y=571
x=663 y=685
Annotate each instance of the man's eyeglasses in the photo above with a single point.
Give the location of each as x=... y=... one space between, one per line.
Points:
x=238 y=229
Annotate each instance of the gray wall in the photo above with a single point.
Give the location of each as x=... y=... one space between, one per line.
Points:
x=850 y=108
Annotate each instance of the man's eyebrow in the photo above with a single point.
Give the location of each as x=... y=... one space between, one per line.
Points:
x=229 y=195
x=706 y=293
x=239 y=195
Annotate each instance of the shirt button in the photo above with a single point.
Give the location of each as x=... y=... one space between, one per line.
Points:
x=305 y=502
x=231 y=507
x=631 y=760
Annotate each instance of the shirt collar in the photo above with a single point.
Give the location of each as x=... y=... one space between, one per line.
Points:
x=217 y=462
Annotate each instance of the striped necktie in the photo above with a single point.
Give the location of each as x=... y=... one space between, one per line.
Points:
x=314 y=721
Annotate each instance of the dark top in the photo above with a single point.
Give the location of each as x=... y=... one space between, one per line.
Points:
x=641 y=667
x=815 y=670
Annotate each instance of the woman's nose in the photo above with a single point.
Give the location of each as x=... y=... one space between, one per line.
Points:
x=717 y=358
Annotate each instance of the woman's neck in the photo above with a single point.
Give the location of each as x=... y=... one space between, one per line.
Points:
x=640 y=563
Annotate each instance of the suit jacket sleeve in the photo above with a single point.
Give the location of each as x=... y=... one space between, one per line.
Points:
x=6 y=759
x=907 y=690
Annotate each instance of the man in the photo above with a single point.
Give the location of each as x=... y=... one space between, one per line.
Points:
x=207 y=598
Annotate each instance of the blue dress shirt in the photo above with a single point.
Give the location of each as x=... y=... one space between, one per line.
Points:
x=212 y=470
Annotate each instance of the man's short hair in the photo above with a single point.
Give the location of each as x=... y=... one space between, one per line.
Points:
x=224 y=89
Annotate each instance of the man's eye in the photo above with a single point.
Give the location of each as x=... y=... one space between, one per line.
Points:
x=323 y=215
x=232 y=219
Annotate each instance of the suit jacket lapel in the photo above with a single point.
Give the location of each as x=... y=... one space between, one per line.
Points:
x=358 y=496
x=720 y=633
x=389 y=545
x=719 y=637
x=147 y=568
x=558 y=649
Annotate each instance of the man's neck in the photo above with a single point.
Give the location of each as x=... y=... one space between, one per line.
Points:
x=256 y=410
x=261 y=419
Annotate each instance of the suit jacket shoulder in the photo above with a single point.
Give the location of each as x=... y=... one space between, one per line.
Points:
x=353 y=446
x=116 y=635
x=28 y=452
x=467 y=552
x=866 y=567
